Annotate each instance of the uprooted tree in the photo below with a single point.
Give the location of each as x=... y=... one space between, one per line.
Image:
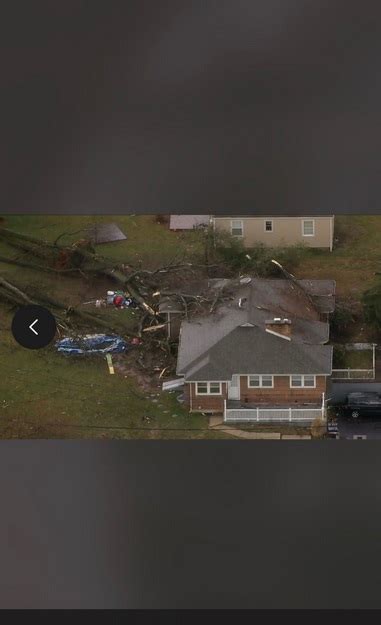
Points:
x=224 y=255
x=81 y=259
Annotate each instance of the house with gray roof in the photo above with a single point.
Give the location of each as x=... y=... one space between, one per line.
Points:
x=263 y=354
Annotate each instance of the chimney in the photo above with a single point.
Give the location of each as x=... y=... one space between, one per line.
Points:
x=279 y=327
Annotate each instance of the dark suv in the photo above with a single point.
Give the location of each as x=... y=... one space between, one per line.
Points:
x=362 y=405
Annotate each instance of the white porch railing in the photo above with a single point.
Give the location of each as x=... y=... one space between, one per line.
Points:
x=358 y=374
x=353 y=374
x=272 y=415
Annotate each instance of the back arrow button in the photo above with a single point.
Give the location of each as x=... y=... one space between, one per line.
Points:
x=32 y=328
x=24 y=328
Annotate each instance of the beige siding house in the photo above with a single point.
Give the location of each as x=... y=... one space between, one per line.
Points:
x=276 y=231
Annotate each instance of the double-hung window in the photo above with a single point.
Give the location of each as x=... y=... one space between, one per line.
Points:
x=308 y=227
x=303 y=381
x=260 y=381
x=208 y=388
x=268 y=225
x=236 y=226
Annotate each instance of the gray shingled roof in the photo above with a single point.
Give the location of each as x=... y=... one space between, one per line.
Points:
x=217 y=345
x=251 y=350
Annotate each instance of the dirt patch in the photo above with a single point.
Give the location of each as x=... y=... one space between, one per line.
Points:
x=145 y=364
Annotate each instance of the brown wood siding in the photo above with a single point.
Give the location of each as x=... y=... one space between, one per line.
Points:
x=204 y=403
x=282 y=393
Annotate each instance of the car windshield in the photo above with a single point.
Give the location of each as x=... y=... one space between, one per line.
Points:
x=367 y=400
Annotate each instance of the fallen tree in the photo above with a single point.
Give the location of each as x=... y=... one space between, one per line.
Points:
x=17 y=296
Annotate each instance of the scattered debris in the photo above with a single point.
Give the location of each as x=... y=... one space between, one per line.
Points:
x=92 y=344
x=105 y=233
x=154 y=328
x=173 y=384
x=162 y=372
x=110 y=365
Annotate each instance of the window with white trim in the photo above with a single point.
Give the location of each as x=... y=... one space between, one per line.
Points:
x=208 y=388
x=268 y=225
x=308 y=227
x=303 y=381
x=236 y=226
x=260 y=381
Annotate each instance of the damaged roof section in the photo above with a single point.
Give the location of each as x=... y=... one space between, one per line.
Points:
x=286 y=297
x=214 y=344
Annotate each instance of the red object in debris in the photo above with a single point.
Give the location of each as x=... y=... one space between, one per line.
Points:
x=135 y=341
x=118 y=300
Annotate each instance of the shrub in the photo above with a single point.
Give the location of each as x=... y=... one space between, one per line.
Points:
x=257 y=259
x=342 y=319
x=372 y=305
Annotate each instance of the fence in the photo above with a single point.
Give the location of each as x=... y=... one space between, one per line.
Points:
x=353 y=374
x=357 y=374
x=272 y=415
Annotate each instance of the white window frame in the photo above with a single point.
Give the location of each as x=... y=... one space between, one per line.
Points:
x=268 y=221
x=302 y=385
x=260 y=385
x=232 y=221
x=312 y=221
x=208 y=384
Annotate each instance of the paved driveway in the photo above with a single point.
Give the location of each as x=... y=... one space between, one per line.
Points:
x=352 y=430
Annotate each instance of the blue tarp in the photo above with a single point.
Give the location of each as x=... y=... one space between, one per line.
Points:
x=93 y=344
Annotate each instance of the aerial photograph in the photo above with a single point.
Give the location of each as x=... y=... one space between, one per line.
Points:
x=190 y=327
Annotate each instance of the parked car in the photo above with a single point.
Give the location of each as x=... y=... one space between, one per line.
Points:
x=362 y=405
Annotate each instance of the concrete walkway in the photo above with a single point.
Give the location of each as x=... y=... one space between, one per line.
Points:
x=217 y=423
x=248 y=435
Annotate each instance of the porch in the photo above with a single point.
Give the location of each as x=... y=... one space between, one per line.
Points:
x=236 y=412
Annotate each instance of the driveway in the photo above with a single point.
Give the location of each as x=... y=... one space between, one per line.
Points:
x=369 y=430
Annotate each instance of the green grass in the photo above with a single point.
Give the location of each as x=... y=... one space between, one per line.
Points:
x=354 y=260
x=43 y=394
x=350 y=359
x=148 y=242
x=47 y=395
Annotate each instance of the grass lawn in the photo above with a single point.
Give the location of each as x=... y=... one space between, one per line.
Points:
x=43 y=394
x=46 y=395
x=352 y=359
x=148 y=242
x=354 y=259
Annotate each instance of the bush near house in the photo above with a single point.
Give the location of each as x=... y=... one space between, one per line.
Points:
x=342 y=319
x=372 y=305
x=237 y=258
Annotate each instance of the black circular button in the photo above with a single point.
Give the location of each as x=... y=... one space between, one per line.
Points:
x=33 y=327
